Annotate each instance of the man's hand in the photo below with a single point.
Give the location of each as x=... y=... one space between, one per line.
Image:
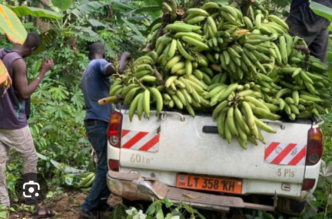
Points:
x=47 y=65
x=123 y=61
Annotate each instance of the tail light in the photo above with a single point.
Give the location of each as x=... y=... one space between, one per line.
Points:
x=314 y=146
x=114 y=129
x=113 y=165
x=308 y=184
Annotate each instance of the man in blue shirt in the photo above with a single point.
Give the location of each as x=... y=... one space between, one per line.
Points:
x=313 y=28
x=95 y=86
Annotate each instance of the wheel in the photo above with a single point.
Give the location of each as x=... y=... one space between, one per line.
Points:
x=290 y=206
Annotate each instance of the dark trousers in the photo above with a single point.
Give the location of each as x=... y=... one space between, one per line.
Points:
x=304 y=23
x=99 y=190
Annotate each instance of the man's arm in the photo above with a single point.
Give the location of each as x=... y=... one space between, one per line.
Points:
x=122 y=64
x=110 y=70
x=20 y=80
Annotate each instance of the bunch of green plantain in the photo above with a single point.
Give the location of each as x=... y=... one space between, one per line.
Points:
x=86 y=181
x=305 y=87
x=239 y=112
x=240 y=68
x=187 y=92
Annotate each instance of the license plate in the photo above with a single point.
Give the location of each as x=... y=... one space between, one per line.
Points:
x=209 y=184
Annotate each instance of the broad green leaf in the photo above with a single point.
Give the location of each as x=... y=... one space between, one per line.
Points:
x=168 y=203
x=46 y=39
x=140 y=37
x=65 y=168
x=87 y=31
x=160 y=214
x=326 y=171
x=96 y=23
x=88 y=7
x=36 y=12
x=152 y=8
x=151 y=209
x=188 y=208
x=321 y=10
x=12 y=26
x=315 y=203
x=119 y=3
x=62 y=4
x=310 y=210
x=137 y=20
x=154 y=11
x=77 y=98
x=329 y=57
x=120 y=211
x=152 y=2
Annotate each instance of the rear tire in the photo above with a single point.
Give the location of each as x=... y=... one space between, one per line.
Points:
x=290 y=206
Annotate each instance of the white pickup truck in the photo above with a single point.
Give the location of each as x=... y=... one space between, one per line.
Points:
x=183 y=158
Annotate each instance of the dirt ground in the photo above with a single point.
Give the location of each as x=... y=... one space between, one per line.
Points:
x=65 y=205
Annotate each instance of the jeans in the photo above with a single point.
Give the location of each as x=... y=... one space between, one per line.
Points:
x=98 y=138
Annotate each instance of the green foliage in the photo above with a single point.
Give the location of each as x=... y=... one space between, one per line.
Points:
x=321 y=10
x=21 y=11
x=159 y=209
x=62 y=4
x=57 y=116
x=323 y=192
x=8 y=19
x=87 y=8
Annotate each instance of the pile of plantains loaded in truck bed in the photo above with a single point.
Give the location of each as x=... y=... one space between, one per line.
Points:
x=241 y=68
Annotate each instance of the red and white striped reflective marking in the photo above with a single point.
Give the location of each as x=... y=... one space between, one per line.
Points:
x=141 y=141
x=285 y=153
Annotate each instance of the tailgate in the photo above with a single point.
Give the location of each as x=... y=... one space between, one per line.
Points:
x=177 y=143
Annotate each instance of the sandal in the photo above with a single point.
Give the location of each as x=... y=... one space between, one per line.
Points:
x=42 y=213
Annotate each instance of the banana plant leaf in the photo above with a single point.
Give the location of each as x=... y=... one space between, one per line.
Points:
x=36 y=12
x=61 y=166
x=152 y=8
x=88 y=7
x=62 y=4
x=321 y=10
x=12 y=26
x=329 y=57
x=140 y=38
x=47 y=38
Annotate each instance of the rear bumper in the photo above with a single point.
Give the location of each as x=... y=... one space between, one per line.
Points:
x=133 y=186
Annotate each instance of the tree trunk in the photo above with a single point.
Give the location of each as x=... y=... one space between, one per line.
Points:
x=42 y=26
